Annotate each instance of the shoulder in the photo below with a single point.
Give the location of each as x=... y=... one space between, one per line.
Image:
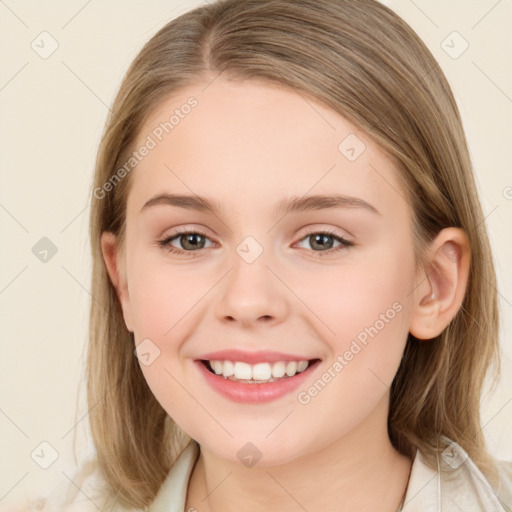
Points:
x=457 y=484
x=84 y=491
x=464 y=481
x=504 y=490
x=173 y=493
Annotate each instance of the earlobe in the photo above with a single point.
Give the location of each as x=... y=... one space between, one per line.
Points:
x=116 y=272
x=441 y=289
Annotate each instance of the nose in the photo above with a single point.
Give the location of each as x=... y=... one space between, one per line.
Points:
x=252 y=294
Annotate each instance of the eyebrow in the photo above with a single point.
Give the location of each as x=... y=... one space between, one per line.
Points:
x=293 y=204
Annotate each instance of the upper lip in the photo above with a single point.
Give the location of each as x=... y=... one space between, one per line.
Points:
x=262 y=356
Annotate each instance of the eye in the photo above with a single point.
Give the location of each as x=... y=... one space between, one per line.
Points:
x=193 y=241
x=189 y=240
x=322 y=240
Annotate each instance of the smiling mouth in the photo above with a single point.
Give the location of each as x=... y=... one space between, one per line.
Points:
x=260 y=373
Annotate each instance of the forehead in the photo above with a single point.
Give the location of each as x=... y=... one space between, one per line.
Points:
x=248 y=142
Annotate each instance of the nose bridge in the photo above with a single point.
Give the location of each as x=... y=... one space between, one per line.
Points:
x=251 y=291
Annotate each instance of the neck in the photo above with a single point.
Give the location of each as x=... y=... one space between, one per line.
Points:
x=360 y=471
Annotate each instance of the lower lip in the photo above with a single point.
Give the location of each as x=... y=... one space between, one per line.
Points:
x=255 y=393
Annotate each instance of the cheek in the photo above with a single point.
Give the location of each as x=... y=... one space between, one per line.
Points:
x=159 y=297
x=165 y=301
x=160 y=302
x=367 y=311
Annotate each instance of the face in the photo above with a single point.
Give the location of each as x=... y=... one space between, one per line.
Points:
x=263 y=282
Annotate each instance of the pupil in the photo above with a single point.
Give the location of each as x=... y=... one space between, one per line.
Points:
x=322 y=244
x=189 y=239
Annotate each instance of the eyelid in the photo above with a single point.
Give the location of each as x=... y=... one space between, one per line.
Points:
x=331 y=230
x=187 y=228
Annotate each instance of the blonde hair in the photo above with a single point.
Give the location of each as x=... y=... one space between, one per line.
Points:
x=364 y=62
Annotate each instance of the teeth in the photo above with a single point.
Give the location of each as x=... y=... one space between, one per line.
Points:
x=243 y=371
x=229 y=368
x=279 y=369
x=260 y=372
x=291 y=368
x=217 y=367
x=302 y=366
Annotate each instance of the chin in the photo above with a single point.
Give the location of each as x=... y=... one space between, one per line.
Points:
x=256 y=451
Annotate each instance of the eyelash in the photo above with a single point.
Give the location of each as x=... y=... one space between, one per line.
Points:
x=165 y=242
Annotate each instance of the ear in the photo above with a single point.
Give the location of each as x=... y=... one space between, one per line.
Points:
x=441 y=287
x=114 y=261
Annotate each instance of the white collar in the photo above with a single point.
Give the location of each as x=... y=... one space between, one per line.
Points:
x=457 y=484
x=460 y=486
x=173 y=493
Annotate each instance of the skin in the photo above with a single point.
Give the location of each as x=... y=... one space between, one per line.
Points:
x=249 y=145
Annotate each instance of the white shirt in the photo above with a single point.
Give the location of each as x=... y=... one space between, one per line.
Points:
x=462 y=487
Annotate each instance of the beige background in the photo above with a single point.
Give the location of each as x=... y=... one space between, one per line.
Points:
x=52 y=114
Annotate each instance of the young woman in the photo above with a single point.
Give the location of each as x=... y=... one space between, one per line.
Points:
x=295 y=303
